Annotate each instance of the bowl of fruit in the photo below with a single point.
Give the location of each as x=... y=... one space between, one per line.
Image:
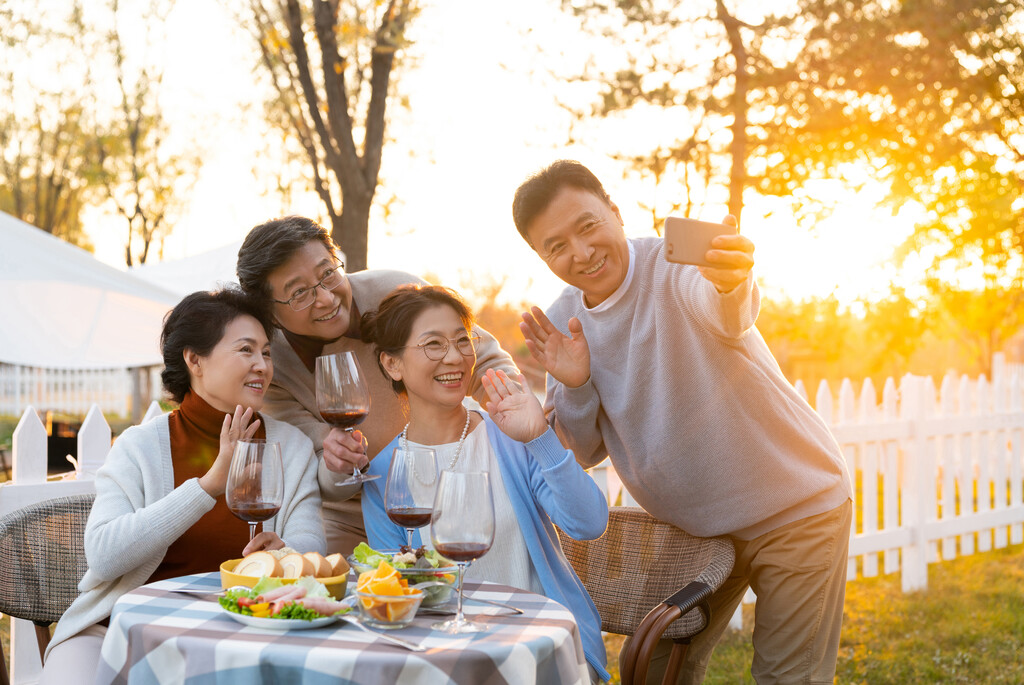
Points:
x=385 y=599
x=415 y=566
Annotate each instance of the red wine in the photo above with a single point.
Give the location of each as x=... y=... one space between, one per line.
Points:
x=462 y=551
x=343 y=419
x=255 y=511
x=410 y=517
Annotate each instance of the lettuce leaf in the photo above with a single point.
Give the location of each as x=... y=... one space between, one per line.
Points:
x=314 y=588
x=265 y=583
x=365 y=554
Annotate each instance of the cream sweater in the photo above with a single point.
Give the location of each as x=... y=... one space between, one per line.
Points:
x=687 y=400
x=292 y=398
x=138 y=513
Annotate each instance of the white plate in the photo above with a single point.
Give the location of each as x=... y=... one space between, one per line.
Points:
x=280 y=623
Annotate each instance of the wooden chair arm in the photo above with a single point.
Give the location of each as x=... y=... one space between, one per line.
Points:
x=640 y=649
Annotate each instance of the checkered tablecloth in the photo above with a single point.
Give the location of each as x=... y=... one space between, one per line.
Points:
x=161 y=637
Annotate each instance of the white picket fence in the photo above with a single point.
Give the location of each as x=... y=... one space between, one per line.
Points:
x=71 y=391
x=936 y=475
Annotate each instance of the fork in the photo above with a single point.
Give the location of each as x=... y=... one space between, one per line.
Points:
x=396 y=640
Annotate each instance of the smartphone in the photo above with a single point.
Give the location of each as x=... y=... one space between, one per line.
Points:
x=686 y=240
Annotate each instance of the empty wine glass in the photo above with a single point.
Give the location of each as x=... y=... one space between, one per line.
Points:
x=255 y=482
x=342 y=397
x=409 y=493
x=462 y=529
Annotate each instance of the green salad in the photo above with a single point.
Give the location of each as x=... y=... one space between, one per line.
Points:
x=244 y=601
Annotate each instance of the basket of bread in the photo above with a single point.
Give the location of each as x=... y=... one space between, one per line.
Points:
x=287 y=565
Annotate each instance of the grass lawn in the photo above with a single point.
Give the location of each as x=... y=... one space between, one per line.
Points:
x=967 y=628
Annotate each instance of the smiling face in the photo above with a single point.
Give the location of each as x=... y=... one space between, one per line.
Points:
x=237 y=371
x=580 y=237
x=444 y=382
x=327 y=319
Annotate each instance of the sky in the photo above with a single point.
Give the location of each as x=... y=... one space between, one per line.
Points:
x=481 y=118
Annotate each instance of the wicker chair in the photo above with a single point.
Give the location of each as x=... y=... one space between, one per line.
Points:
x=42 y=558
x=650 y=580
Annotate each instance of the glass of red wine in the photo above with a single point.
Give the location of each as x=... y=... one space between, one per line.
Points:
x=255 y=482
x=462 y=529
x=342 y=397
x=409 y=493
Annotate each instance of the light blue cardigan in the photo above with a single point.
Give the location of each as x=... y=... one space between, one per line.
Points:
x=544 y=484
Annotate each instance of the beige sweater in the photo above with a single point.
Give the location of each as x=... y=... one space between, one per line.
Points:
x=292 y=398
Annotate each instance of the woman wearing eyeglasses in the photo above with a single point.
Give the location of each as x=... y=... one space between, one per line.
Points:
x=292 y=265
x=424 y=343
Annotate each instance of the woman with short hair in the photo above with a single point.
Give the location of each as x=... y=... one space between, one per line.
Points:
x=159 y=510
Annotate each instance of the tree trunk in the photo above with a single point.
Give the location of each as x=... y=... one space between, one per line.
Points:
x=738 y=146
x=349 y=230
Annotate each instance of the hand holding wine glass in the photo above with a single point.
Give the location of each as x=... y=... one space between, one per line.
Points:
x=462 y=529
x=255 y=487
x=342 y=397
x=409 y=493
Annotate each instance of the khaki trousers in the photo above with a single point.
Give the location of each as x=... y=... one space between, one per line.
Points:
x=798 y=573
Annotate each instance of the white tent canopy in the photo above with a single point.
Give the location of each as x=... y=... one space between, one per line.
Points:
x=210 y=270
x=60 y=307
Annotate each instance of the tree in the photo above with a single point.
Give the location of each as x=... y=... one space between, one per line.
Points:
x=695 y=63
x=330 y=94
x=45 y=172
x=141 y=175
x=929 y=95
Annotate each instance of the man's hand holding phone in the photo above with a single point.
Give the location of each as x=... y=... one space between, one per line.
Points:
x=721 y=254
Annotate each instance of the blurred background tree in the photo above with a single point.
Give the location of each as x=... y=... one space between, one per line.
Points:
x=45 y=170
x=332 y=68
x=145 y=178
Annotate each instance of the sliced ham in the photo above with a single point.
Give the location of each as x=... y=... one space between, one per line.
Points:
x=322 y=605
x=291 y=592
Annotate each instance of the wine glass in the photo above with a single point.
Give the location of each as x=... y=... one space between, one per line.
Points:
x=342 y=397
x=462 y=529
x=409 y=493
x=255 y=482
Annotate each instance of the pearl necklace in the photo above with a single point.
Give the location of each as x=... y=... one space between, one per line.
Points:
x=458 y=449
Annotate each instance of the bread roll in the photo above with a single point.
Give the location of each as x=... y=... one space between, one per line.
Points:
x=321 y=567
x=295 y=566
x=259 y=564
x=338 y=564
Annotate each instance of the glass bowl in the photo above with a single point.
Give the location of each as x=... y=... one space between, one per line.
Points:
x=438 y=594
x=388 y=611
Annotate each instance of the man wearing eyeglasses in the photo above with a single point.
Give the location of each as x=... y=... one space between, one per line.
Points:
x=659 y=366
x=292 y=265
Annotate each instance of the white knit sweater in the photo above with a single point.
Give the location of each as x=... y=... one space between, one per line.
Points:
x=138 y=513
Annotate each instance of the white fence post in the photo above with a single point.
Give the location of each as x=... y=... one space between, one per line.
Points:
x=29 y=444
x=154 y=410
x=914 y=559
x=93 y=442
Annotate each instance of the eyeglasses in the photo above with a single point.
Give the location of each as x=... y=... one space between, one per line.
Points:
x=437 y=349
x=305 y=297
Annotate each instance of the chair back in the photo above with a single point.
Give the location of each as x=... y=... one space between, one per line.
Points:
x=639 y=562
x=42 y=557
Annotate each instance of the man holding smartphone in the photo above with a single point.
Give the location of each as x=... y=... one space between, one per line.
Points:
x=659 y=366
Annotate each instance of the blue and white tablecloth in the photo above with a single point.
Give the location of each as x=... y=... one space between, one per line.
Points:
x=158 y=637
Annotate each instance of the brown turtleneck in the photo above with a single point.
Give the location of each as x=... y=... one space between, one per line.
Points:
x=218 y=536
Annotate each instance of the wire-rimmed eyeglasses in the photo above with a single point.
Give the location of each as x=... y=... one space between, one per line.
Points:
x=305 y=297
x=437 y=348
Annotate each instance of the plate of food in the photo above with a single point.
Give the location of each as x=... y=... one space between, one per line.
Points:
x=416 y=566
x=273 y=605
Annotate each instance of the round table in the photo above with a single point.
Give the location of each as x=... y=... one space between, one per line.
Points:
x=160 y=636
